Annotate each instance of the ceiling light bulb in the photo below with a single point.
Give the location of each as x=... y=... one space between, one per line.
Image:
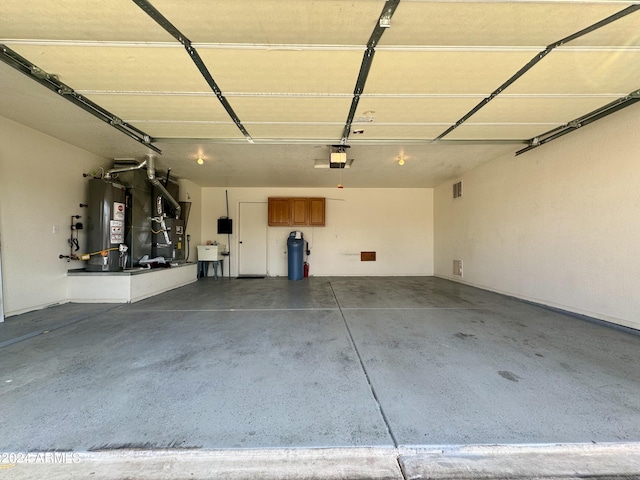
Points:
x=200 y=160
x=401 y=161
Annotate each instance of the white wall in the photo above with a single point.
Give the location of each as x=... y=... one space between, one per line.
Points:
x=395 y=223
x=41 y=185
x=558 y=225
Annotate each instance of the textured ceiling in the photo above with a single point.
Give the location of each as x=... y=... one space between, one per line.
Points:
x=288 y=71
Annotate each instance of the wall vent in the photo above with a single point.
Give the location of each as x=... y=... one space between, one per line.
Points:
x=457 y=268
x=457 y=189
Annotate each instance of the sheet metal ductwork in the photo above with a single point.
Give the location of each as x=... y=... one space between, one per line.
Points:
x=151 y=174
x=131 y=217
x=114 y=171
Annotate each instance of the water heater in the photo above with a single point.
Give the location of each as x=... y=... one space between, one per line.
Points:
x=105 y=225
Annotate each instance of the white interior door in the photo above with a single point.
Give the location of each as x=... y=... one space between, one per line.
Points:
x=252 y=239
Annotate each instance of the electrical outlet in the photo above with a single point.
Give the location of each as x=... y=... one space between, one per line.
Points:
x=56 y=229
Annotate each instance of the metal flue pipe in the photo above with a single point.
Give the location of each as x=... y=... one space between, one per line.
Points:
x=108 y=173
x=151 y=174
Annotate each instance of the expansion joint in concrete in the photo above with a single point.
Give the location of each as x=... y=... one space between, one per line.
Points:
x=366 y=373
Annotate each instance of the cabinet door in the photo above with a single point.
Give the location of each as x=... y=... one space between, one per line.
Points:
x=316 y=212
x=279 y=212
x=299 y=211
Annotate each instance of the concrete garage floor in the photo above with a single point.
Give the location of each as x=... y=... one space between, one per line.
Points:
x=386 y=367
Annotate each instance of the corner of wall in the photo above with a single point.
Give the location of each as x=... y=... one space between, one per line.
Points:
x=552 y=226
x=35 y=212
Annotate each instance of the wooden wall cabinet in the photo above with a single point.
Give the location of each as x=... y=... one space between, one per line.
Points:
x=296 y=211
x=279 y=212
x=316 y=212
x=299 y=211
